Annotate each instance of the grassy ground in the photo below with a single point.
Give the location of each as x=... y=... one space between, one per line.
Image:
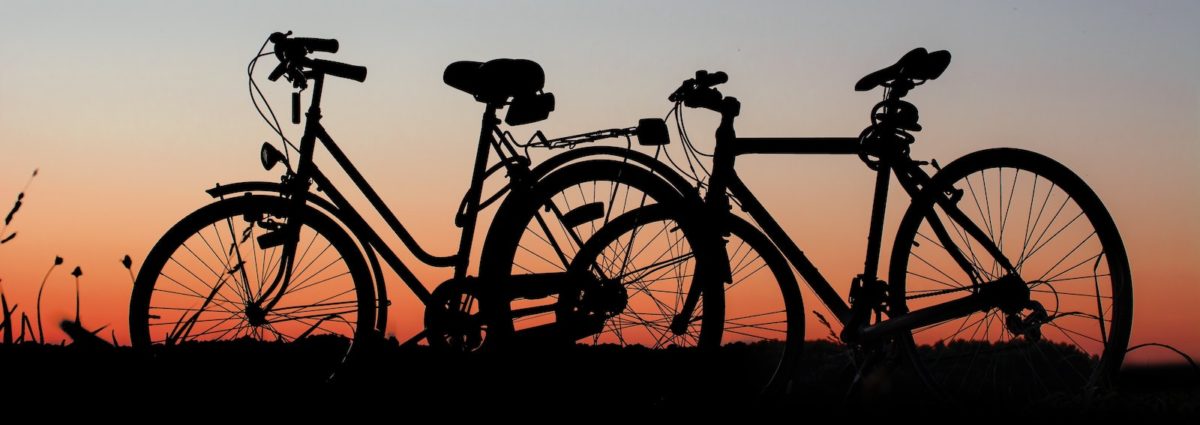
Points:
x=590 y=381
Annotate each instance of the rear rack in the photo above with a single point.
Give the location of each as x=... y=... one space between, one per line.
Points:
x=539 y=140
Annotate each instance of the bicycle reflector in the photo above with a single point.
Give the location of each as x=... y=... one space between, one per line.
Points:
x=270 y=156
x=653 y=132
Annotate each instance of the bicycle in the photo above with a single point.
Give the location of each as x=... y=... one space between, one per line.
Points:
x=1045 y=310
x=282 y=262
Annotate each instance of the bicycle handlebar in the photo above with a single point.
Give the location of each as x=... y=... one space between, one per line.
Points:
x=698 y=92
x=328 y=45
x=338 y=69
x=705 y=79
x=293 y=58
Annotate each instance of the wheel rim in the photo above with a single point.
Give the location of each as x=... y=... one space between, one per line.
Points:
x=1064 y=246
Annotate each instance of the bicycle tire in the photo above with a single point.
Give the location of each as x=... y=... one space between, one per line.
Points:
x=1016 y=361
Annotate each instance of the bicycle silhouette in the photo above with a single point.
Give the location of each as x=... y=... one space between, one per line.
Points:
x=294 y=260
x=603 y=244
x=1007 y=274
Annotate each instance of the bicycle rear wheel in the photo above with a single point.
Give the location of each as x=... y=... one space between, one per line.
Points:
x=202 y=280
x=543 y=229
x=1066 y=249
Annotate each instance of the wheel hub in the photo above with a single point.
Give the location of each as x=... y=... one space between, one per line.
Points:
x=1009 y=293
x=256 y=315
x=604 y=299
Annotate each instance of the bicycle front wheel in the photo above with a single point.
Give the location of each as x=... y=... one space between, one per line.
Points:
x=764 y=313
x=1063 y=244
x=662 y=265
x=649 y=259
x=211 y=278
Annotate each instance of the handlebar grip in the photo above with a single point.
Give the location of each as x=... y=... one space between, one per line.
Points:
x=318 y=44
x=338 y=69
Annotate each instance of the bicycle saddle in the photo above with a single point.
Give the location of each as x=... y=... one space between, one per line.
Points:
x=496 y=80
x=917 y=64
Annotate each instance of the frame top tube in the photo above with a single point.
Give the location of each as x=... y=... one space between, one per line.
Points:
x=796 y=145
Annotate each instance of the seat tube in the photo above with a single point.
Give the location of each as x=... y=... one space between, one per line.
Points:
x=863 y=290
x=471 y=207
x=883 y=178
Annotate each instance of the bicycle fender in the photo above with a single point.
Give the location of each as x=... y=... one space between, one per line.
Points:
x=596 y=152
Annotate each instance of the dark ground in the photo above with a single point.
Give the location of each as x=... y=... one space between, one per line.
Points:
x=586 y=382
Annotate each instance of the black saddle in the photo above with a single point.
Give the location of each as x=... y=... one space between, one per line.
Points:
x=917 y=64
x=496 y=80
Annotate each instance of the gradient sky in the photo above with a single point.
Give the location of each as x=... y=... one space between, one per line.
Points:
x=131 y=109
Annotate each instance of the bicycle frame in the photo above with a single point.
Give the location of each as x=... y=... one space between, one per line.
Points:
x=297 y=188
x=913 y=179
x=522 y=177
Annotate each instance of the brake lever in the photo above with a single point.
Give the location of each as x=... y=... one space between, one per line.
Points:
x=297 y=78
x=278 y=72
x=278 y=39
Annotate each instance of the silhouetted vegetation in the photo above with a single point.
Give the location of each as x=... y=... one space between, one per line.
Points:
x=616 y=380
x=6 y=313
x=75 y=330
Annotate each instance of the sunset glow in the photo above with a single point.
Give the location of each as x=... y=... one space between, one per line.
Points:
x=131 y=110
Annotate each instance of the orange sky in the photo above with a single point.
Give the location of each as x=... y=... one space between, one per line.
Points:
x=131 y=110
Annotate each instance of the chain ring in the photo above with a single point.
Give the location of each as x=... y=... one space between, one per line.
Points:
x=449 y=322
